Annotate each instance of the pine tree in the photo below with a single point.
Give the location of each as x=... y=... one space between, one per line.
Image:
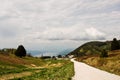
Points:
x=115 y=44
x=20 y=52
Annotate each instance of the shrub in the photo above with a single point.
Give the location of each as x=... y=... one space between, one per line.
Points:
x=20 y=52
x=104 y=53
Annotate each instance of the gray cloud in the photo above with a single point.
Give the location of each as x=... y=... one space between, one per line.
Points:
x=7 y=33
x=59 y=20
x=73 y=33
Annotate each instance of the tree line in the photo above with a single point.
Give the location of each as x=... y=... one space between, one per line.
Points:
x=114 y=46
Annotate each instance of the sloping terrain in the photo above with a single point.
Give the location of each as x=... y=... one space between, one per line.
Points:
x=110 y=63
x=90 y=53
x=91 y=48
x=15 y=68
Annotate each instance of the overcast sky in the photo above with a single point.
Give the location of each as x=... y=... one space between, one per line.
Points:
x=55 y=24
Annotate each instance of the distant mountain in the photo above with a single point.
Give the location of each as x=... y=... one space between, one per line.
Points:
x=91 y=48
x=65 y=52
x=35 y=52
x=43 y=53
x=49 y=53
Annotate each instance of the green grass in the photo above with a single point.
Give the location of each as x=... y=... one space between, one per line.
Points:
x=6 y=68
x=9 y=64
x=43 y=69
x=65 y=72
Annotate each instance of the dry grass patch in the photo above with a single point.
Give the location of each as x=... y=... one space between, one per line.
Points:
x=110 y=64
x=16 y=75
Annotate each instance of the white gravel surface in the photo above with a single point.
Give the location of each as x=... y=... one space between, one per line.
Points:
x=86 y=72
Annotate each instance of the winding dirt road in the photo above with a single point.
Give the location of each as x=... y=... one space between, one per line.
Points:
x=86 y=72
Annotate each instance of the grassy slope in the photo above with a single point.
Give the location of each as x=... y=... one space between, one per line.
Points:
x=13 y=64
x=110 y=64
x=65 y=72
x=90 y=52
x=91 y=48
x=10 y=64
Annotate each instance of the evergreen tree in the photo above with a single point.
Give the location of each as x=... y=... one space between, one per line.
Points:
x=115 y=44
x=20 y=52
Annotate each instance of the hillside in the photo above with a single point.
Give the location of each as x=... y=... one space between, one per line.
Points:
x=89 y=53
x=110 y=63
x=26 y=68
x=91 y=48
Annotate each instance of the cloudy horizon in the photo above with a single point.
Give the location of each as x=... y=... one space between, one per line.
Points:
x=57 y=24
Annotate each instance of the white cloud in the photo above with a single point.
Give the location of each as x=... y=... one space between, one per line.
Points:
x=72 y=33
x=58 y=20
x=94 y=33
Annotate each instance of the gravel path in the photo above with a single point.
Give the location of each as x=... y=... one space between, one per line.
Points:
x=86 y=72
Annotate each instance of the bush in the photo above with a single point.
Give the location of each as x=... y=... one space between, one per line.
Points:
x=104 y=53
x=20 y=52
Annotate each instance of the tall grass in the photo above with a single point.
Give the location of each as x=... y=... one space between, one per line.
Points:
x=64 y=72
x=110 y=64
x=43 y=69
x=6 y=68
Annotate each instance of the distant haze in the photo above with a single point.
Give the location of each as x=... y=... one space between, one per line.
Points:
x=49 y=53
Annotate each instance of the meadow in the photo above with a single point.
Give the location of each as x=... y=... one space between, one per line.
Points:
x=31 y=68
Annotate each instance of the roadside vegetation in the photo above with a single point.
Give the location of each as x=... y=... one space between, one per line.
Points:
x=110 y=63
x=63 y=72
x=31 y=68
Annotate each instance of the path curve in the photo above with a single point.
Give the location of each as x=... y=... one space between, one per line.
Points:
x=86 y=72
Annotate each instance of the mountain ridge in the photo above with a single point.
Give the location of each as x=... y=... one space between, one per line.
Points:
x=92 y=48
